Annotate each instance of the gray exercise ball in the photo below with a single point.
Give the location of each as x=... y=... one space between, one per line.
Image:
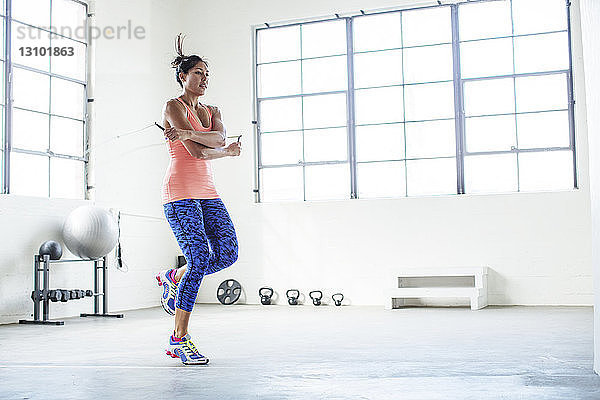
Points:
x=90 y=232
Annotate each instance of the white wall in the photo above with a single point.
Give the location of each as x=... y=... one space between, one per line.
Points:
x=590 y=11
x=538 y=245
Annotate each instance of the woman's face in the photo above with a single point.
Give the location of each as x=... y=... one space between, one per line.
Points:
x=196 y=79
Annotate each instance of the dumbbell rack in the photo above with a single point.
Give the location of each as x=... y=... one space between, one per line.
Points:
x=45 y=261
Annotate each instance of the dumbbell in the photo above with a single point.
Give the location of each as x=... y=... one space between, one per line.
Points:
x=55 y=295
x=77 y=294
x=66 y=295
x=37 y=295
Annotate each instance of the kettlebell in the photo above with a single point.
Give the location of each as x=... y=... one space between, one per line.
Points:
x=293 y=299
x=265 y=298
x=316 y=299
x=338 y=298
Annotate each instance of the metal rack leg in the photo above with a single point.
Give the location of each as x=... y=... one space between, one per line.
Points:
x=96 y=299
x=36 y=288
x=46 y=279
x=104 y=293
x=104 y=286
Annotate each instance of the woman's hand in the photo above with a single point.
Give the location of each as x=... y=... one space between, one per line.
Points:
x=234 y=149
x=175 y=134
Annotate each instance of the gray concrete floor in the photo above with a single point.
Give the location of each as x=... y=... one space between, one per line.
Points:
x=307 y=352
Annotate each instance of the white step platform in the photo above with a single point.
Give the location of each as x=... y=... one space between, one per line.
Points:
x=477 y=293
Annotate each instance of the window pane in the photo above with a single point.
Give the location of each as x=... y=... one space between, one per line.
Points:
x=428 y=64
x=379 y=105
x=327 y=182
x=281 y=184
x=426 y=177
x=539 y=93
x=382 y=179
x=325 y=145
x=66 y=136
x=280 y=115
x=25 y=36
x=70 y=66
x=542 y=53
x=1 y=125
x=493 y=96
x=490 y=133
x=484 y=20
x=324 y=74
x=430 y=139
x=486 y=58
x=526 y=16
x=2 y=31
x=1 y=149
x=325 y=111
x=279 y=79
x=551 y=170
x=542 y=130
x=378 y=69
x=67 y=98
x=30 y=130
x=34 y=12
x=67 y=179
x=380 y=142
x=324 y=38
x=377 y=32
x=2 y=82
x=28 y=175
x=69 y=18
x=428 y=26
x=429 y=101
x=281 y=148
x=278 y=44
x=491 y=174
x=26 y=83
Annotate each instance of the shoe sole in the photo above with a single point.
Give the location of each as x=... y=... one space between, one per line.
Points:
x=173 y=355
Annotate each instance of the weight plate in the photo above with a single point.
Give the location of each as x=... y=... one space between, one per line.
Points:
x=229 y=292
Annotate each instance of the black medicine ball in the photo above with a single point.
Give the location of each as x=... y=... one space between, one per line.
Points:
x=51 y=248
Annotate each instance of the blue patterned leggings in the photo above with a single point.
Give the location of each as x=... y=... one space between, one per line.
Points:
x=207 y=238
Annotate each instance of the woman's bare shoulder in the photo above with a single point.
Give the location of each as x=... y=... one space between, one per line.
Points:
x=172 y=105
x=213 y=109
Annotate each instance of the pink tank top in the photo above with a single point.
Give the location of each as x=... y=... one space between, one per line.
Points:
x=188 y=177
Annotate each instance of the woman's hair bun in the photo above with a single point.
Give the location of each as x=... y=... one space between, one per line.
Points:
x=177 y=61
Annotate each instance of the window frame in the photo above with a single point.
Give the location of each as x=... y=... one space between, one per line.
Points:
x=9 y=67
x=458 y=84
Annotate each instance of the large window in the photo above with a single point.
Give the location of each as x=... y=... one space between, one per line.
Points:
x=44 y=102
x=465 y=98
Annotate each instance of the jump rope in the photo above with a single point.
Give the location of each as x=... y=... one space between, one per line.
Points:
x=238 y=137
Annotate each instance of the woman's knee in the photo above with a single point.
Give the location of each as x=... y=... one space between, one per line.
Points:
x=224 y=260
x=228 y=259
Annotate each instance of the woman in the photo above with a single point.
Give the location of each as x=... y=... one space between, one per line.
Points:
x=191 y=203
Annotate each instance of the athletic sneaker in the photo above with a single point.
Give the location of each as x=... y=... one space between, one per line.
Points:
x=165 y=279
x=185 y=350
